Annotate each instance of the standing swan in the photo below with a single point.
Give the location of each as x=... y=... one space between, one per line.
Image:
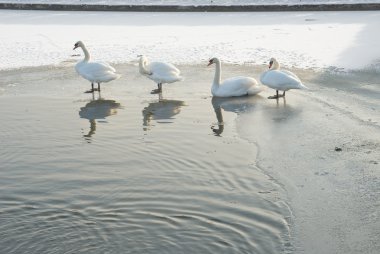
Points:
x=95 y=72
x=237 y=86
x=159 y=72
x=280 y=79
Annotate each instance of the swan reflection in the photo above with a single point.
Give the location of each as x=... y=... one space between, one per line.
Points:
x=161 y=111
x=231 y=104
x=97 y=109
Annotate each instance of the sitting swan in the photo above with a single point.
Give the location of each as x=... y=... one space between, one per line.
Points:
x=237 y=86
x=159 y=72
x=95 y=72
x=280 y=79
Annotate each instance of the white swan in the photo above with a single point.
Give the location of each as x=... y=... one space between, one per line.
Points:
x=280 y=79
x=95 y=72
x=237 y=86
x=159 y=72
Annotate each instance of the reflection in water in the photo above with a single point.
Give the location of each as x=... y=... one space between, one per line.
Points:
x=161 y=110
x=231 y=104
x=281 y=102
x=97 y=109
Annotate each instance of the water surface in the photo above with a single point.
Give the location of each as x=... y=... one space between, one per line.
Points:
x=125 y=171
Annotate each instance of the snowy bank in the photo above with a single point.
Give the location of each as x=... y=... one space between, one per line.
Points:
x=304 y=39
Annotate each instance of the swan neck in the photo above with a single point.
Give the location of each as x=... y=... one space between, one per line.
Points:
x=142 y=66
x=218 y=71
x=86 y=54
x=275 y=66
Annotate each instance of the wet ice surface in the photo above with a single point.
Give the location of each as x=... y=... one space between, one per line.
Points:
x=325 y=148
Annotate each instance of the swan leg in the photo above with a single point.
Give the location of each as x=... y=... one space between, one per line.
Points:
x=158 y=90
x=92 y=89
x=277 y=95
x=274 y=96
x=99 y=87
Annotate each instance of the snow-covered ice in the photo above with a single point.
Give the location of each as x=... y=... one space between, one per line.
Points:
x=301 y=39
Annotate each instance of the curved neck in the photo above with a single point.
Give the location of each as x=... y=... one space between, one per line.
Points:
x=218 y=74
x=142 y=66
x=219 y=116
x=86 y=54
x=275 y=66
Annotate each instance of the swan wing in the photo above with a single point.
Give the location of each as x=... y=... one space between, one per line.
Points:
x=163 y=72
x=291 y=74
x=237 y=86
x=163 y=68
x=98 y=67
x=280 y=80
x=97 y=71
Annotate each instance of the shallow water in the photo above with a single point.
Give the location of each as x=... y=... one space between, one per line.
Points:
x=125 y=171
x=129 y=171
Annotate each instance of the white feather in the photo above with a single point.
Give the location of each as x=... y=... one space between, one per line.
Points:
x=281 y=80
x=159 y=72
x=236 y=86
x=95 y=72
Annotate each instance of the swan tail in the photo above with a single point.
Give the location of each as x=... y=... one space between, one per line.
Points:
x=176 y=79
x=255 y=90
x=303 y=87
x=113 y=76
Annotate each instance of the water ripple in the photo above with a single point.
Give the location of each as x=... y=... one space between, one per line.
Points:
x=173 y=189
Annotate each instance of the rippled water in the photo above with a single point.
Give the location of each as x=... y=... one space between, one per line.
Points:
x=129 y=172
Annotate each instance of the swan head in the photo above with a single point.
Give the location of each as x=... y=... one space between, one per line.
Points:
x=78 y=44
x=143 y=65
x=142 y=58
x=212 y=61
x=273 y=64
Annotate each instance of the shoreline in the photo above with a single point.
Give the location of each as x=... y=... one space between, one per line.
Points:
x=199 y=8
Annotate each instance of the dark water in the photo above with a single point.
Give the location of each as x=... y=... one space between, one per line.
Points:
x=125 y=171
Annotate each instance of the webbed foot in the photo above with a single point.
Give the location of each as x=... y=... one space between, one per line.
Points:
x=155 y=91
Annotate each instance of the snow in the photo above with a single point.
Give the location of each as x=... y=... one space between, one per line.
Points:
x=303 y=39
x=191 y=2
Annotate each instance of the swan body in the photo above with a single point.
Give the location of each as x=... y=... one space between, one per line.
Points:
x=236 y=86
x=95 y=72
x=159 y=72
x=280 y=80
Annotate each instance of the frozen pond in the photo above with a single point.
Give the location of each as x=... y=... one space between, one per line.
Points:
x=126 y=171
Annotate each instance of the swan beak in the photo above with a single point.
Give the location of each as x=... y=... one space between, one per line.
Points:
x=75 y=46
x=270 y=64
x=209 y=63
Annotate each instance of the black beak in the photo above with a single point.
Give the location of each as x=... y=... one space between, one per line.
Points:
x=75 y=46
x=270 y=64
